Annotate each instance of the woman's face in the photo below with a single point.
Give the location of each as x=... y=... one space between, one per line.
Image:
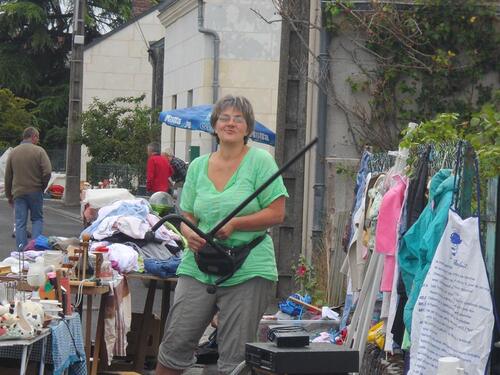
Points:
x=231 y=126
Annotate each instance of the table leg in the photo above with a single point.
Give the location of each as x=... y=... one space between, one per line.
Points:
x=165 y=306
x=42 y=356
x=24 y=360
x=99 y=335
x=88 y=330
x=145 y=327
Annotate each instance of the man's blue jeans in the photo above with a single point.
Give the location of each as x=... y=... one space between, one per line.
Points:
x=32 y=202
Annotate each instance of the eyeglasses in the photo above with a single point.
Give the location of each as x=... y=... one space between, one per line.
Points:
x=236 y=119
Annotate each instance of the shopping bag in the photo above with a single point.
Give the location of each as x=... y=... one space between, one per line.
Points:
x=453 y=316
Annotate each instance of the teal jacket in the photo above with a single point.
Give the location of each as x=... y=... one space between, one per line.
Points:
x=419 y=243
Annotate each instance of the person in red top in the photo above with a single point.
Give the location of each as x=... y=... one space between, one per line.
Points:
x=158 y=170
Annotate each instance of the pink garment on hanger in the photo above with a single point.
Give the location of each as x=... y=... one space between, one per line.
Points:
x=386 y=234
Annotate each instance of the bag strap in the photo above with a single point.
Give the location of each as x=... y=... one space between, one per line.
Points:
x=458 y=176
x=249 y=246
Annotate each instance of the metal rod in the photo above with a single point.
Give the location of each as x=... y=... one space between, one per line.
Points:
x=262 y=187
x=209 y=237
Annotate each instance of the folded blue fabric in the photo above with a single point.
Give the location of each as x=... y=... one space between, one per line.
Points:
x=42 y=243
x=162 y=268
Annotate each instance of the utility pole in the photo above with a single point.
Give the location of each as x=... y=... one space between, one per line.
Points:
x=73 y=148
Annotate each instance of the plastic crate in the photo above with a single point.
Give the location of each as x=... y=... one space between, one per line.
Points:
x=313 y=327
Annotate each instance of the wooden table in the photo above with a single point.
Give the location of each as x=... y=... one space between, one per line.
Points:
x=145 y=325
x=90 y=292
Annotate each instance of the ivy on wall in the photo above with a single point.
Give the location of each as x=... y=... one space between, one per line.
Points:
x=431 y=57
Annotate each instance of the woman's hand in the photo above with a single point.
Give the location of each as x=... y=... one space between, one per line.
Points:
x=226 y=230
x=195 y=242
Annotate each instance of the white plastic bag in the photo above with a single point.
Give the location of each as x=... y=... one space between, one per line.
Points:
x=454 y=313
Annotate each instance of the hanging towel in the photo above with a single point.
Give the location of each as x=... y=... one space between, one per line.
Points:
x=117 y=318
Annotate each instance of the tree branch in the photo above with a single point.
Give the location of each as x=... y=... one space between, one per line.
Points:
x=264 y=18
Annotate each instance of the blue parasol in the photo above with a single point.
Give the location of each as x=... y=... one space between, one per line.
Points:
x=198 y=118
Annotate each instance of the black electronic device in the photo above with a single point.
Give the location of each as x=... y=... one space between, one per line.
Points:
x=288 y=336
x=317 y=358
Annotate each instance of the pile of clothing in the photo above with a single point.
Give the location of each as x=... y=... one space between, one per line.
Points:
x=122 y=228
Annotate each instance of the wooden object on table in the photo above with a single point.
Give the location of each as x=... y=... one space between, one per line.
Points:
x=59 y=276
x=86 y=284
x=64 y=282
x=308 y=306
x=99 y=257
x=85 y=251
x=74 y=253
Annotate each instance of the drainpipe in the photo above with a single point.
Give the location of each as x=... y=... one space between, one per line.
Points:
x=320 y=170
x=215 y=36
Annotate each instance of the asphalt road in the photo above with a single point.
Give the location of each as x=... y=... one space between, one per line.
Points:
x=57 y=222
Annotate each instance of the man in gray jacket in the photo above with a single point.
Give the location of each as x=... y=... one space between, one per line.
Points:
x=27 y=174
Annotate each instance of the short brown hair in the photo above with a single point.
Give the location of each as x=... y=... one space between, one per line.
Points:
x=240 y=103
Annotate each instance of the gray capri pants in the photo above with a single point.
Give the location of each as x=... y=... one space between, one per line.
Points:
x=240 y=309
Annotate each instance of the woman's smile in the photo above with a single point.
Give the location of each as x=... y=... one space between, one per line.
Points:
x=230 y=124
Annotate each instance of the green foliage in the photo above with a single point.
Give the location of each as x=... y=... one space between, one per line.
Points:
x=482 y=131
x=35 y=41
x=118 y=131
x=484 y=135
x=304 y=275
x=14 y=118
x=431 y=58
